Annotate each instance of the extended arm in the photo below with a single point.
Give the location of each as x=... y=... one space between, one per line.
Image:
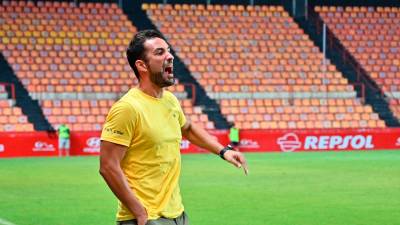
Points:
x=201 y=138
x=110 y=157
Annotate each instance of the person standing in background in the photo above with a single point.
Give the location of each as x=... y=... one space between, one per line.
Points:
x=234 y=136
x=63 y=140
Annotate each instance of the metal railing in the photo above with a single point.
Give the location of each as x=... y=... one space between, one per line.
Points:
x=334 y=44
x=10 y=88
x=192 y=94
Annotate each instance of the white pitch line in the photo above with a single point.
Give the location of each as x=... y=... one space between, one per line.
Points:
x=5 y=222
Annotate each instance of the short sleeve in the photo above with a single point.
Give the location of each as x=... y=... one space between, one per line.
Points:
x=120 y=124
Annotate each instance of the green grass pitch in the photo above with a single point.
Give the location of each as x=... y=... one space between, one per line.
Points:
x=309 y=188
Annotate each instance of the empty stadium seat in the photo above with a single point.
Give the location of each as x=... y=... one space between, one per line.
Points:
x=72 y=58
x=259 y=65
x=372 y=37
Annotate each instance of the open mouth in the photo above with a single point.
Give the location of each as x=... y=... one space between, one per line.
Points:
x=169 y=71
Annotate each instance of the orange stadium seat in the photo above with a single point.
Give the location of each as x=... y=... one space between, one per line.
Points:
x=233 y=55
x=74 y=64
x=375 y=26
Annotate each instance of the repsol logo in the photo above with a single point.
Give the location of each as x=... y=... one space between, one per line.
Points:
x=338 y=142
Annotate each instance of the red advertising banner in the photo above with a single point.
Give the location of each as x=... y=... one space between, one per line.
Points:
x=27 y=144
x=319 y=140
x=85 y=143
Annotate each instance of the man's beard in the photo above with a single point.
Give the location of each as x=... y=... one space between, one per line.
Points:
x=158 y=79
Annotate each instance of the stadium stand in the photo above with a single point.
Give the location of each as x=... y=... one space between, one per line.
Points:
x=371 y=34
x=261 y=67
x=11 y=117
x=72 y=58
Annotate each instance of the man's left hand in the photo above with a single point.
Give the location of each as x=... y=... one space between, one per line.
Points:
x=237 y=159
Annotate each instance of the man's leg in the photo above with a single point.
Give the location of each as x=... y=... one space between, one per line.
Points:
x=67 y=147
x=60 y=147
x=235 y=144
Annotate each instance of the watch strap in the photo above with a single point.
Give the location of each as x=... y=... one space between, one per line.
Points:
x=225 y=149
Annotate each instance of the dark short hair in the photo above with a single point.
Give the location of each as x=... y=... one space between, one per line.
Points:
x=136 y=49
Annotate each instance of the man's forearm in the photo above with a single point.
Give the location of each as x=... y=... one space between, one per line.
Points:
x=116 y=180
x=201 y=138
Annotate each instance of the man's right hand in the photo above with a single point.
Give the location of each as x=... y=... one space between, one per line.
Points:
x=111 y=155
x=141 y=220
x=142 y=217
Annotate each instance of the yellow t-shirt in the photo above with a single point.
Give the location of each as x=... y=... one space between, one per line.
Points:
x=151 y=129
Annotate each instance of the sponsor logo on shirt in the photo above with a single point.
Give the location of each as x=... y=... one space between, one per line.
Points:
x=113 y=131
x=2 y=148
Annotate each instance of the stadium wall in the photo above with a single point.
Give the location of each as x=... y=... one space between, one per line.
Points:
x=30 y=144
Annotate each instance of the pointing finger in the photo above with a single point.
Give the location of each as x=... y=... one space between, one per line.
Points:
x=244 y=164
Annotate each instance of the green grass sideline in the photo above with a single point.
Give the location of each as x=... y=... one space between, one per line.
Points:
x=304 y=188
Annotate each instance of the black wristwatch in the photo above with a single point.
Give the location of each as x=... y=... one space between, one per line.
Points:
x=222 y=152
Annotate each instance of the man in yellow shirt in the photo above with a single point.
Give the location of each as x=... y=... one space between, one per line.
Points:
x=140 y=149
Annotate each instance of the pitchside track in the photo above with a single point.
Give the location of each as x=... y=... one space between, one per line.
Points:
x=307 y=188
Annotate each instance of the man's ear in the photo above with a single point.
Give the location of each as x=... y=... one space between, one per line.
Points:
x=141 y=66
